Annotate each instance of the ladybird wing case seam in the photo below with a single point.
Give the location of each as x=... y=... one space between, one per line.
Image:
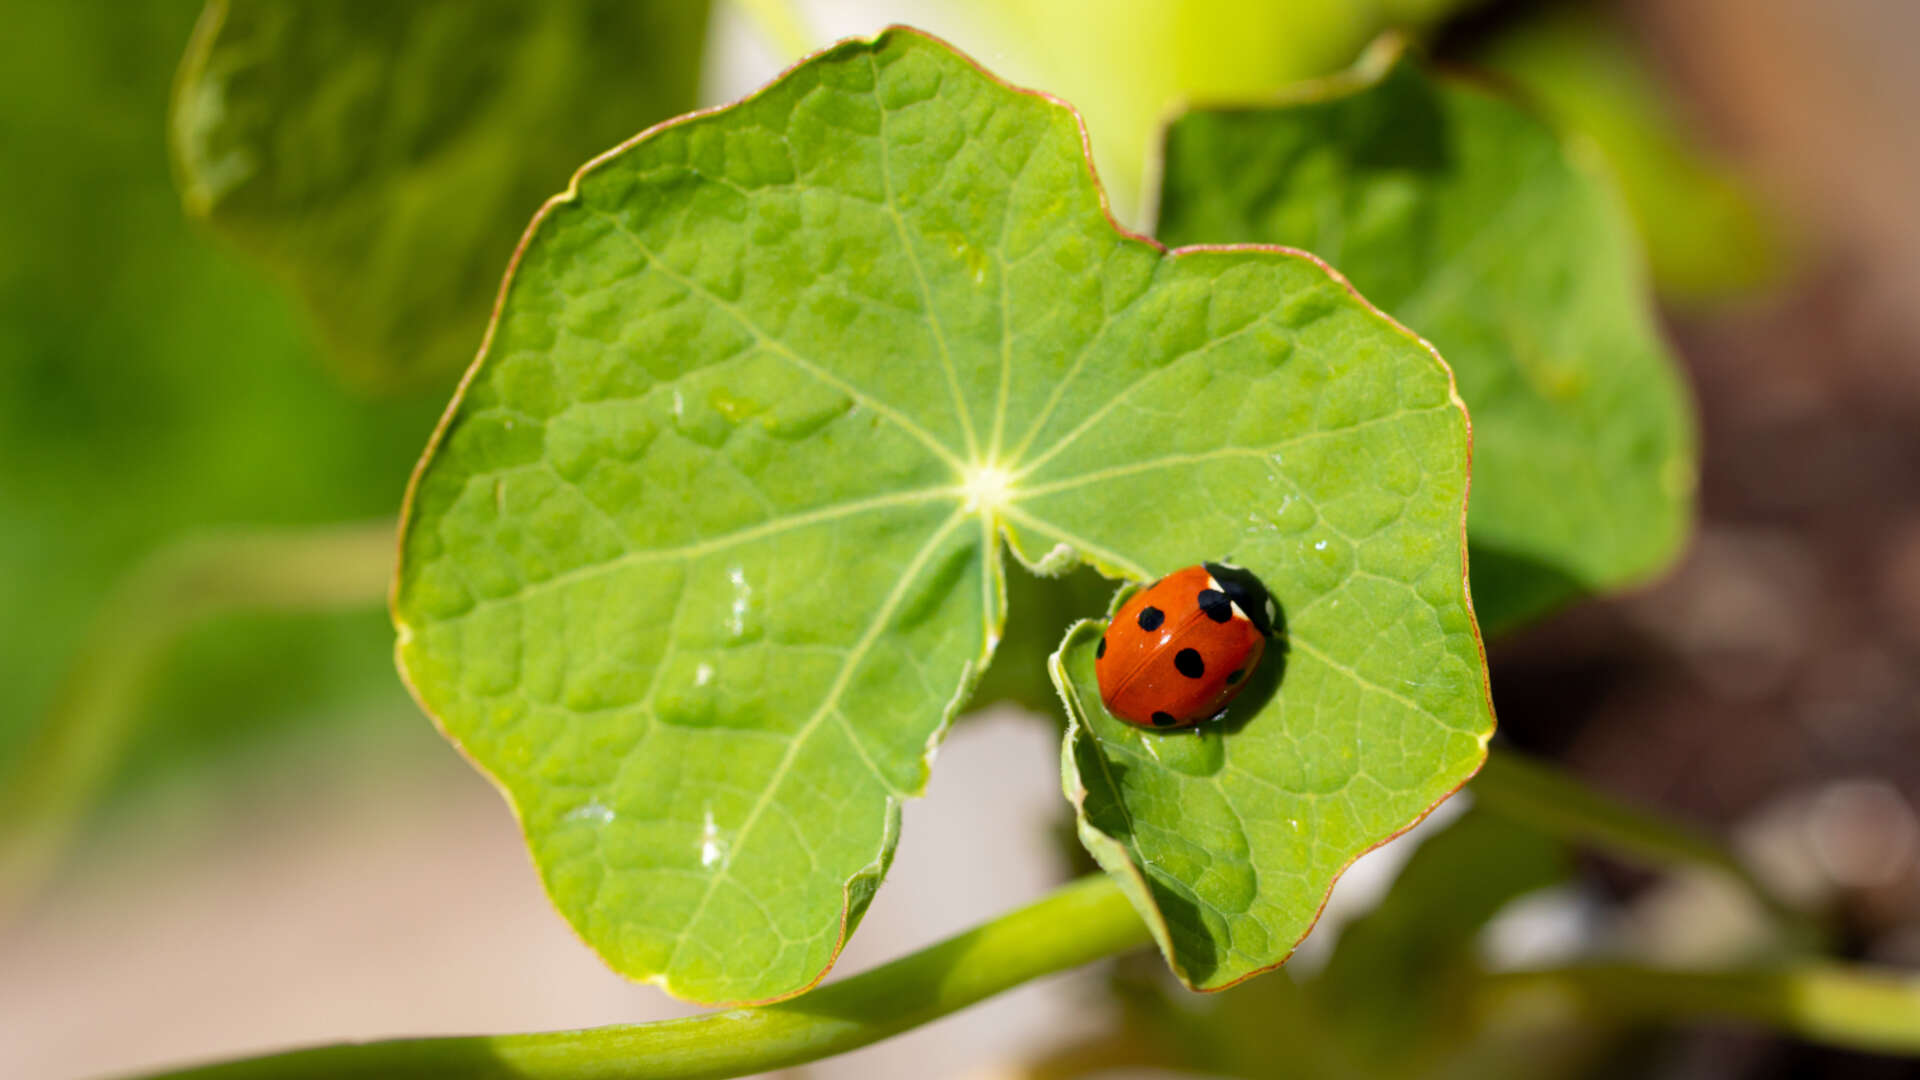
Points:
x=1127 y=621
x=1171 y=635
x=1189 y=630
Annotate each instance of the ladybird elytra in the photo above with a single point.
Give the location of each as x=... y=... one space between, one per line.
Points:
x=1179 y=650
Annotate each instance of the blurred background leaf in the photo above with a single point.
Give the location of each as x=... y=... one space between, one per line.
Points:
x=1707 y=235
x=382 y=159
x=1393 y=998
x=149 y=386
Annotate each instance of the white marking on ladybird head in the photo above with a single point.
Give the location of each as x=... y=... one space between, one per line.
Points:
x=1232 y=605
x=987 y=488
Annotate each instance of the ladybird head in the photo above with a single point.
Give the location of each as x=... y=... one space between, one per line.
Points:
x=1247 y=594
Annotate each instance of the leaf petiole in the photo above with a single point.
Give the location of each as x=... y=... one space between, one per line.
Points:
x=1081 y=922
x=1559 y=805
x=1853 y=1007
x=80 y=740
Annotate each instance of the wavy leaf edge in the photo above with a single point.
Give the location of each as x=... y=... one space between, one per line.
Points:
x=859 y=889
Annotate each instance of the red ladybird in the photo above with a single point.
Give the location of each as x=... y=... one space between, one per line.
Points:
x=1178 y=650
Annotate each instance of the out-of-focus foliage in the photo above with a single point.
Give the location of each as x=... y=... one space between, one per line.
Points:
x=149 y=386
x=1706 y=235
x=1394 y=999
x=383 y=158
x=1126 y=68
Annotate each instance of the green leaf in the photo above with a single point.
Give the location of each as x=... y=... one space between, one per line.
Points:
x=1229 y=838
x=1471 y=222
x=151 y=387
x=706 y=556
x=380 y=158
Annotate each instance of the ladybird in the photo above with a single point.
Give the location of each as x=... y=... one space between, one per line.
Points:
x=1178 y=650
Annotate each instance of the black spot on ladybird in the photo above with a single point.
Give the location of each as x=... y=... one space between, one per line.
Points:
x=1189 y=663
x=1151 y=618
x=1216 y=605
x=1163 y=719
x=1100 y=650
x=1233 y=678
x=1246 y=590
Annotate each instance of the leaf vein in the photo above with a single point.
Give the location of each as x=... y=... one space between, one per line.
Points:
x=1118 y=399
x=780 y=348
x=1175 y=460
x=1112 y=558
x=722 y=542
x=919 y=272
x=829 y=705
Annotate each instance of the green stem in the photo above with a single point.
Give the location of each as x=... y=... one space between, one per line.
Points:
x=73 y=753
x=781 y=25
x=1082 y=922
x=1851 y=1007
x=1558 y=804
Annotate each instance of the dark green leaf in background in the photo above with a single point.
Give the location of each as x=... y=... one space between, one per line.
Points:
x=1397 y=998
x=150 y=387
x=1474 y=224
x=707 y=554
x=1707 y=234
x=381 y=158
x=1393 y=986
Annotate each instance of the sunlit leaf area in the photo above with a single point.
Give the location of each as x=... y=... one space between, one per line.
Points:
x=1310 y=539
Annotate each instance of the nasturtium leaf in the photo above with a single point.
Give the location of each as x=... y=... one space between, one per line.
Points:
x=1475 y=225
x=706 y=554
x=381 y=158
x=1368 y=711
